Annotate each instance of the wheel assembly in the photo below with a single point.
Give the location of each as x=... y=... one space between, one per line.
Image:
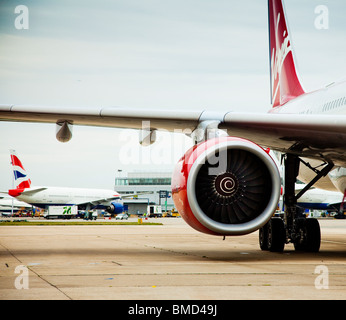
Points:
x=308 y=235
x=272 y=236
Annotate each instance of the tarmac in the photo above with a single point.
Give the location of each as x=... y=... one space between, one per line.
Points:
x=164 y=262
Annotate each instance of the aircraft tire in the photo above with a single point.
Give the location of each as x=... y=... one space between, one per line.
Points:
x=310 y=236
x=263 y=237
x=276 y=235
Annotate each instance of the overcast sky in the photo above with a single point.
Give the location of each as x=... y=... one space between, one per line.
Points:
x=191 y=54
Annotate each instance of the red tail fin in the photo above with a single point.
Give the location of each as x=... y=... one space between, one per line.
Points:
x=21 y=178
x=285 y=84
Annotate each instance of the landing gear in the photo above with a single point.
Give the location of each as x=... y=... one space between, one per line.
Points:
x=272 y=236
x=308 y=236
x=304 y=233
x=263 y=237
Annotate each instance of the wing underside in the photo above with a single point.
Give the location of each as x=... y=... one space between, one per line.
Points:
x=314 y=136
x=97 y=202
x=105 y=117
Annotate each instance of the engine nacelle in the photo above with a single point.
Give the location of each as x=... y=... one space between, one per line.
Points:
x=115 y=208
x=63 y=131
x=226 y=186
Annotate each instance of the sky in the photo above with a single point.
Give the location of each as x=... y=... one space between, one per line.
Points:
x=157 y=54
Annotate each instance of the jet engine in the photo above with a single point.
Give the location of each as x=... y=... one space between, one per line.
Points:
x=226 y=186
x=115 y=208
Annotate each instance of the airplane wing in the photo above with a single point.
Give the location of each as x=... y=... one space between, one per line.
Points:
x=314 y=136
x=106 y=201
x=32 y=191
x=131 y=195
x=106 y=117
x=26 y=192
x=97 y=202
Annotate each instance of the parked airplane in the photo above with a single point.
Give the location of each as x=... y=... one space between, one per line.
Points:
x=229 y=185
x=44 y=197
x=8 y=205
x=318 y=199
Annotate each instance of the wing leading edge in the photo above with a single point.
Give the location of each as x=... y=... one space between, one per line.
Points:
x=316 y=136
x=106 y=117
x=313 y=136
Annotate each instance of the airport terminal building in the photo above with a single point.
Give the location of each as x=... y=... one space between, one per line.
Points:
x=153 y=188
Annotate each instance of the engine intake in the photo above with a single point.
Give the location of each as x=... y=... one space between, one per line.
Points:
x=115 y=207
x=226 y=186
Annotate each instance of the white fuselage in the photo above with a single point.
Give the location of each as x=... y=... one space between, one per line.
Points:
x=319 y=199
x=329 y=100
x=66 y=196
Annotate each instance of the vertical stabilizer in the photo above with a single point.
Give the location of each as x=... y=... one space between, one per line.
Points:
x=21 y=179
x=285 y=84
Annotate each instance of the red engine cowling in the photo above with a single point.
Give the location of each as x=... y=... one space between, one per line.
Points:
x=226 y=186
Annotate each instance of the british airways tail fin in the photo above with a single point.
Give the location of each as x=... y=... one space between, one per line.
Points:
x=21 y=179
x=285 y=84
